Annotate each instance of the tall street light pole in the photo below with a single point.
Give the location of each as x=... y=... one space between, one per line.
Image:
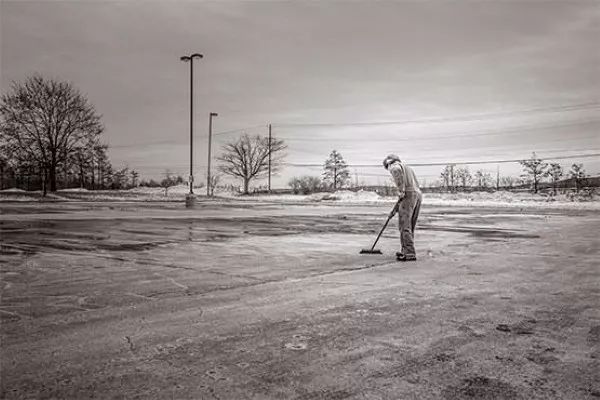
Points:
x=208 y=182
x=190 y=58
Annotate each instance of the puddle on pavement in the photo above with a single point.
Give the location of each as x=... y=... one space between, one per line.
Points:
x=135 y=235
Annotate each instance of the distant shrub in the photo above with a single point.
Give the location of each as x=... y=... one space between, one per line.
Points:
x=150 y=183
x=305 y=184
x=585 y=194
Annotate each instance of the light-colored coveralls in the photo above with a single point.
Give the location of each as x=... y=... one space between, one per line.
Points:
x=410 y=198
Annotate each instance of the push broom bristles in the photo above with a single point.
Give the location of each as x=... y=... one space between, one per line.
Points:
x=370 y=251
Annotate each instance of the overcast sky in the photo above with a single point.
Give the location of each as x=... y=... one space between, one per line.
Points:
x=531 y=68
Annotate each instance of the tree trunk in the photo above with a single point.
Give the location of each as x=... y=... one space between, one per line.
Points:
x=65 y=170
x=246 y=185
x=100 y=175
x=334 y=178
x=93 y=178
x=52 y=176
x=93 y=181
x=44 y=177
x=52 y=172
x=81 y=176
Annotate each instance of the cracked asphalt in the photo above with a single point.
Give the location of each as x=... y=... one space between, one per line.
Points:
x=268 y=301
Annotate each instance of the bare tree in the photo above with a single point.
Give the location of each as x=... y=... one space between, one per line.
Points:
x=248 y=158
x=463 y=175
x=46 y=120
x=483 y=179
x=507 y=181
x=213 y=182
x=336 y=172
x=445 y=177
x=134 y=177
x=578 y=175
x=102 y=164
x=535 y=169
x=448 y=175
x=555 y=172
x=120 y=179
x=170 y=180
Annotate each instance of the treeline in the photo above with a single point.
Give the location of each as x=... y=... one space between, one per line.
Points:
x=90 y=169
x=537 y=174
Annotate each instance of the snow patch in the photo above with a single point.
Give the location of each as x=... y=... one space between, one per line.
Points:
x=347 y=196
x=12 y=190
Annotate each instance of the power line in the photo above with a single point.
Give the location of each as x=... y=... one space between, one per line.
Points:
x=476 y=117
x=412 y=164
x=241 y=129
x=563 y=108
x=166 y=141
x=514 y=130
x=455 y=162
x=181 y=143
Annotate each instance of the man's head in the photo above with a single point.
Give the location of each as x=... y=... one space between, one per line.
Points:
x=389 y=160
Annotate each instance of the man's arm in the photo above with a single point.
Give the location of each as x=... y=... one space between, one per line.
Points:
x=398 y=174
x=395 y=209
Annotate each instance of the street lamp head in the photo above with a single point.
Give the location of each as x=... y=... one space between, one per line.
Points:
x=212 y=114
x=197 y=55
x=185 y=58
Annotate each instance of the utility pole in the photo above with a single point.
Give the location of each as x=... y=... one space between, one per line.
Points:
x=269 y=158
x=190 y=58
x=208 y=181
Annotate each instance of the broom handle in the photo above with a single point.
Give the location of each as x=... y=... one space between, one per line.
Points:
x=390 y=216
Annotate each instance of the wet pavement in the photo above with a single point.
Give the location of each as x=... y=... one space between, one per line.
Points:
x=236 y=300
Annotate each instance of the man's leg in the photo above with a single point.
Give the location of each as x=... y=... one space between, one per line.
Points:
x=415 y=215
x=405 y=213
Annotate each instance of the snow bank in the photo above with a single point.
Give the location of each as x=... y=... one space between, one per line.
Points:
x=512 y=199
x=17 y=198
x=347 y=196
x=474 y=199
x=74 y=190
x=12 y=190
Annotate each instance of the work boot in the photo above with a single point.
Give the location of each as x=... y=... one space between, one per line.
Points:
x=402 y=257
x=399 y=254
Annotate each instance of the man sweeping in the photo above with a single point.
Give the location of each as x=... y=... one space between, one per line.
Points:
x=408 y=206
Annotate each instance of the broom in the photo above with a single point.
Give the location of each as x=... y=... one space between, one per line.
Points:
x=372 y=250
